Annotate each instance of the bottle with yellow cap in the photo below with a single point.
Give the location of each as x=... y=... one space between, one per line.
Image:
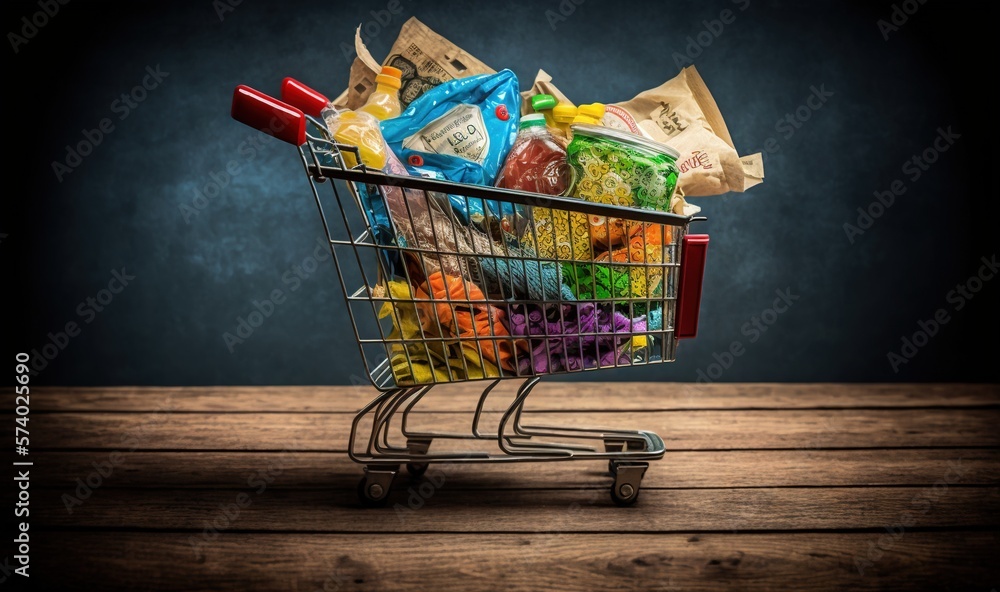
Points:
x=383 y=103
x=562 y=115
x=360 y=128
x=591 y=114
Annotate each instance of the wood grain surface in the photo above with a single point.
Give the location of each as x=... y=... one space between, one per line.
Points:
x=763 y=487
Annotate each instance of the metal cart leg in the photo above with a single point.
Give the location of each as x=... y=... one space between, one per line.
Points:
x=420 y=447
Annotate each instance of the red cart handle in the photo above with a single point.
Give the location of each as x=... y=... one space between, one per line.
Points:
x=269 y=115
x=312 y=102
x=693 y=252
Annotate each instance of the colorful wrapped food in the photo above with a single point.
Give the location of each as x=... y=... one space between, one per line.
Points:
x=645 y=246
x=415 y=360
x=573 y=337
x=446 y=307
x=619 y=168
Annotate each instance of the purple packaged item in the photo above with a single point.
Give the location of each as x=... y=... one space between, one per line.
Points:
x=584 y=336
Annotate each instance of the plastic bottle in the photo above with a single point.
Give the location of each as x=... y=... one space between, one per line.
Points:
x=357 y=128
x=537 y=161
x=383 y=103
x=563 y=115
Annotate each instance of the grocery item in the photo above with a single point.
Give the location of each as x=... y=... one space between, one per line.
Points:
x=424 y=58
x=559 y=234
x=542 y=85
x=632 y=283
x=358 y=129
x=572 y=336
x=543 y=104
x=590 y=281
x=416 y=360
x=623 y=169
x=563 y=114
x=448 y=307
x=384 y=102
x=461 y=131
x=512 y=274
x=420 y=222
x=536 y=162
x=683 y=113
x=609 y=167
x=591 y=114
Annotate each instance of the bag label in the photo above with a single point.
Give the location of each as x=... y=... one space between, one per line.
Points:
x=459 y=132
x=617 y=118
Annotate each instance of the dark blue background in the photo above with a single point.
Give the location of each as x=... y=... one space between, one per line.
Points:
x=120 y=207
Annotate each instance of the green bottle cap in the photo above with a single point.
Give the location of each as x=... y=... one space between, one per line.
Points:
x=532 y=120
x=540 y=102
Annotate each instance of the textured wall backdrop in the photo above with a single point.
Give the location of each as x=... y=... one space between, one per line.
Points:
x=67 y=233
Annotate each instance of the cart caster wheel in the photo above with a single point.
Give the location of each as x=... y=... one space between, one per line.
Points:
x=372 y=495
x=416 y=469
x=628 y=479
x=373 y=489
x=624 y=495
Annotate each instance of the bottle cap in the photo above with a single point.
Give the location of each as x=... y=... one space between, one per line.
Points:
x=532 y=120
x=390 y=77
x=540 y=102
x=592 y=113
x=564 y=112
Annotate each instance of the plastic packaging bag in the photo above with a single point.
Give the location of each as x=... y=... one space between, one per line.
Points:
x=459 y=131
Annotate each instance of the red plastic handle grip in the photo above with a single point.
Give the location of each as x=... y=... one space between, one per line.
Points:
x=269 y=115
x=693 y=252
x=312 y=102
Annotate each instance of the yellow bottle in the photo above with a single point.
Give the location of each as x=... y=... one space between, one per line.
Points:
x=563 y=115
x=383 y=103
x=358 y=128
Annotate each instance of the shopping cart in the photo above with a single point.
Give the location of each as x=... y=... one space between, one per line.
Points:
x=464 y=283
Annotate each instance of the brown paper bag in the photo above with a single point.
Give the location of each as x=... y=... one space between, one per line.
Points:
x=682 y=114
x=425 y=58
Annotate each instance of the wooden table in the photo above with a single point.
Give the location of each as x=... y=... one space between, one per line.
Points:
x=763 y=487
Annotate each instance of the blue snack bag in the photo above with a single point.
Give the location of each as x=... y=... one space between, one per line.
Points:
x=459 y=131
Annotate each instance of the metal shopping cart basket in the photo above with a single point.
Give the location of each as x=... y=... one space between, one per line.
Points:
x=511 y=293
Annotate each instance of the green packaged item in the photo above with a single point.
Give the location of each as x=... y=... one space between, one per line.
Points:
x=619 y=168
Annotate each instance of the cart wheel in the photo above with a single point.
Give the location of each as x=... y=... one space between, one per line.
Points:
x=628 y=479
x=624 y=494
x=416 y=469
x=372 y=494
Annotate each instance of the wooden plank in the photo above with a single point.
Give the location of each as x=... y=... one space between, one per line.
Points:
x=548 y=395
x=738 y=468
x=430 y=506
x=696 y=430
x=670 y=563
x=414 y=562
